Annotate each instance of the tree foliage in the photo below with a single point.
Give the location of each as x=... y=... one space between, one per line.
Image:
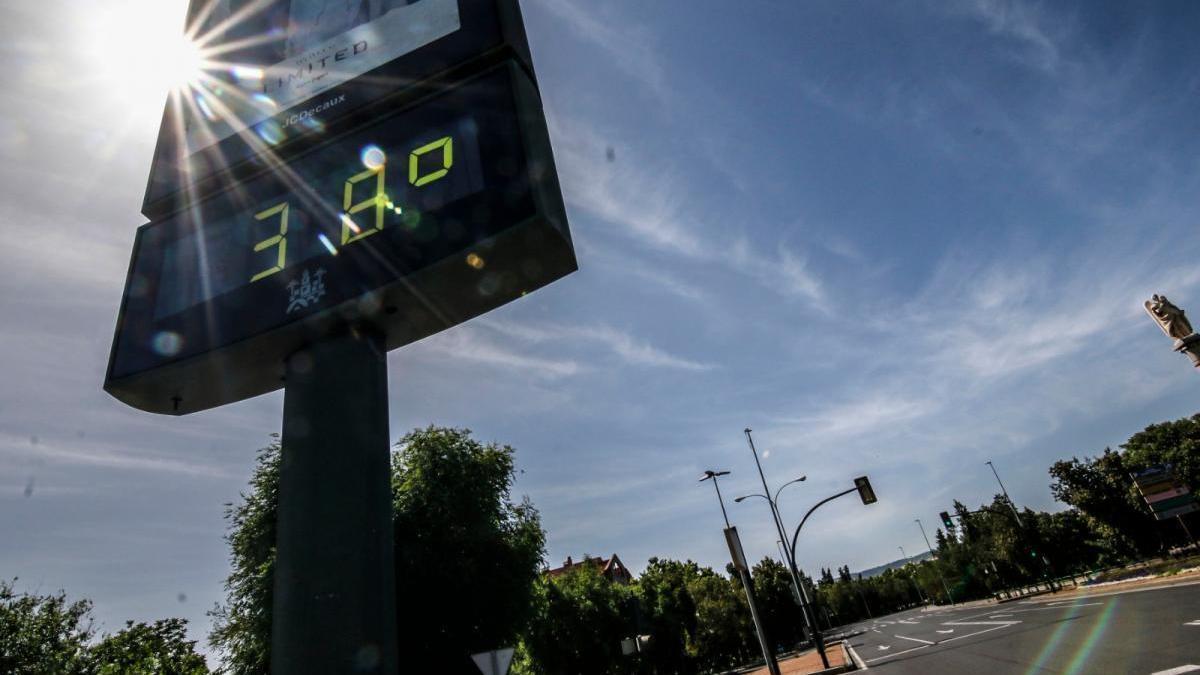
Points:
x=49 y=634
x=467 y=556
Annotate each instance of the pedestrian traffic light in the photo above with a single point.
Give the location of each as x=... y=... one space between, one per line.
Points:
x=864 y=490
x=946 y=521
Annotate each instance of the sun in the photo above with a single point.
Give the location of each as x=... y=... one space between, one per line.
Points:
x=138 y=49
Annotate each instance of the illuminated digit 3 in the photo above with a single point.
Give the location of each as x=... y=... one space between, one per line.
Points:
x=279 y=240
x=350 y=230
x=446 y=145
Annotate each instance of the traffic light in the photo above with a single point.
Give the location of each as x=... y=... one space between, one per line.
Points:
x=946 y=520
x=864 y=490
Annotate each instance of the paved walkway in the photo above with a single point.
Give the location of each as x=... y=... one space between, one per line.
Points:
x=808 y=662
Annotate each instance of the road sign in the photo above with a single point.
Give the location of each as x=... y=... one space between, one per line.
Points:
x=494 y=662
x=1166 y=496
x=295 y=72
x=736 y=554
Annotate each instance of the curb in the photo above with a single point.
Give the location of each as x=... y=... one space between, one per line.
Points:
x=853 y=657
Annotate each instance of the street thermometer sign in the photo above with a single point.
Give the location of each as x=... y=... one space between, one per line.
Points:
x=422 y=195
x=344 y=177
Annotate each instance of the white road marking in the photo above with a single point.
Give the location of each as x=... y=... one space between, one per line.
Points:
x=943 y=632
x=906 y=621
x=924 y=642
x=1189 y=668
x=1192 y=623
x=884 y=648
x=901 y=653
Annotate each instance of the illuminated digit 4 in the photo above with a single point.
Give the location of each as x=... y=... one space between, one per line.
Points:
x=279 y=240
x=446 y=145
x=351 y=231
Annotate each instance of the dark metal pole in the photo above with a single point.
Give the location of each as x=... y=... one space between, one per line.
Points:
x=1186 y=530
x=334 y=605
x=1011 y=505
x=747 y=583
x=945 y=587
x=805 y=603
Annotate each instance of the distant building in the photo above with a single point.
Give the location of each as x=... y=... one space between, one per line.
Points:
x=610 y=568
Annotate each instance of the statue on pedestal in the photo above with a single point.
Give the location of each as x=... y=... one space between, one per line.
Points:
x=1169 y=318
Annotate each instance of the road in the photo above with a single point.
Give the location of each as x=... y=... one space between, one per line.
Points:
x=1149 y=631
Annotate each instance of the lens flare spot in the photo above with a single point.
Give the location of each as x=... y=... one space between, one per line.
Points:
x=475 y=261
x=271 y=132
x=373 y=157
x=247 y=74
x=202 y=103
x=167 y=343
x=265 y=102
x=349 y=222
x=328 y=244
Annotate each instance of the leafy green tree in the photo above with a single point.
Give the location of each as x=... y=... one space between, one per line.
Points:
x=581 y=618
x=724 y=633
x=1101 y=488
x=777 y=604
x=467 y=556
x=671 y=608
x=47 y=634
x=160 y=648
x=42 y=633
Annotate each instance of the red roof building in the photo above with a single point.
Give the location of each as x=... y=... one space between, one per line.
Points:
x=610 y=568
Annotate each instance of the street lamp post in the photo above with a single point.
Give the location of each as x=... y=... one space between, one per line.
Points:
x=740 y=564
x=1021 y=526
x=911 y=580
x=805 y=603
x=949 y=595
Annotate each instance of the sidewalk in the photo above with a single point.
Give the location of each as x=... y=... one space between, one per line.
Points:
x=810 y=662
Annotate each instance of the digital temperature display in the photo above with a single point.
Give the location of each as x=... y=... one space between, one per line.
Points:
x=411 y=223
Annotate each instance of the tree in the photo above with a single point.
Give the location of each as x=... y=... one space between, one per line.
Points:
x=724 y=634
x=42 y=633
x=580 y=620
x=467 y=556
x=147 y=649
x=47 y=634
x=1100 y=487
x=777 y=604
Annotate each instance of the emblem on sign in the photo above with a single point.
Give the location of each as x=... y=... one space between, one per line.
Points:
x=307 y=291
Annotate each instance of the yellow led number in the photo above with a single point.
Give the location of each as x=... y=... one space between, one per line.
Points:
x=446 y=145
x=351 y=231
x=279 y=240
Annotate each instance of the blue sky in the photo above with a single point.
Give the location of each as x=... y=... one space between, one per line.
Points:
x=895 y=239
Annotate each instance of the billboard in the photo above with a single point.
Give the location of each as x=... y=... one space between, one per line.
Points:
x=279 y=74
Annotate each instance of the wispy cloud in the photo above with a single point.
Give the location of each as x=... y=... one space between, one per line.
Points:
x=645 y=200
x=1024 y=25
x=466 y=343
x=625 y=44
x=99 y=454
x=628 y=348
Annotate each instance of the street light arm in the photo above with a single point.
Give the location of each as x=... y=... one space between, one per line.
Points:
x=810 y=512
x=794 y=480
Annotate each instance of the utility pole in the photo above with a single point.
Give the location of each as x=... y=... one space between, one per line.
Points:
x=1021 y=527
x=911 y=580
x=946 y=587
x=739 y=562
x=805 y=603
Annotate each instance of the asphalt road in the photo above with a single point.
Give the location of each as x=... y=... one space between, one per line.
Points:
x=1135 y=631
